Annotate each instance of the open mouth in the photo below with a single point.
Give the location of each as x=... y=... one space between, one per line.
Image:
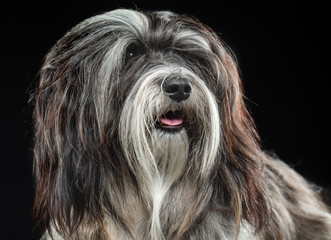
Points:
x=172 y=121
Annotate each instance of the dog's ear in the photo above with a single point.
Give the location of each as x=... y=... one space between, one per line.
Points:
x=72 y=138
x=241 y=156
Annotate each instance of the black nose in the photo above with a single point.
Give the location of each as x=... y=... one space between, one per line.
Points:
x=178 y=89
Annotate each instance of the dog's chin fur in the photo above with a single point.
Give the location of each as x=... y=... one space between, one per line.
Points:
x=108 y=167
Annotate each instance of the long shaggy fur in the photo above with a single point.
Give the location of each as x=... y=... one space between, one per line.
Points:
x=106 y=170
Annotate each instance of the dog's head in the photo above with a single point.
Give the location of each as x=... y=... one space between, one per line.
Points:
x=140 y=96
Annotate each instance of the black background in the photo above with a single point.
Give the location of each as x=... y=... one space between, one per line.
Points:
x=281 y=50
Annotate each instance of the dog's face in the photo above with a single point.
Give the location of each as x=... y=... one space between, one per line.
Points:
x=171 y=80
x=161 y=82
x=148 y=96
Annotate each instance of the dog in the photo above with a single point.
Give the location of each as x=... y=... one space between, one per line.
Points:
x=141 y=132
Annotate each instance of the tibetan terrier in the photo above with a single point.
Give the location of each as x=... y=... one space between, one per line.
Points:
x=141 y=133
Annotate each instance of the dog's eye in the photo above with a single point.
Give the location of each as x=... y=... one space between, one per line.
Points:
x=196 y=58
x=132 y=51
x=130 y=54
x=186 y=55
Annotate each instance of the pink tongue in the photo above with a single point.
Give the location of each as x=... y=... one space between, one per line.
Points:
x=173 y=121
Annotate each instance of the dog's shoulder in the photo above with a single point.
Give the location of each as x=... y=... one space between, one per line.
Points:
x=294 y=202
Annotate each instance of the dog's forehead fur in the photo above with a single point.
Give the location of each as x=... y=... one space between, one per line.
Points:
x=151 y=32
x=154 y=28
